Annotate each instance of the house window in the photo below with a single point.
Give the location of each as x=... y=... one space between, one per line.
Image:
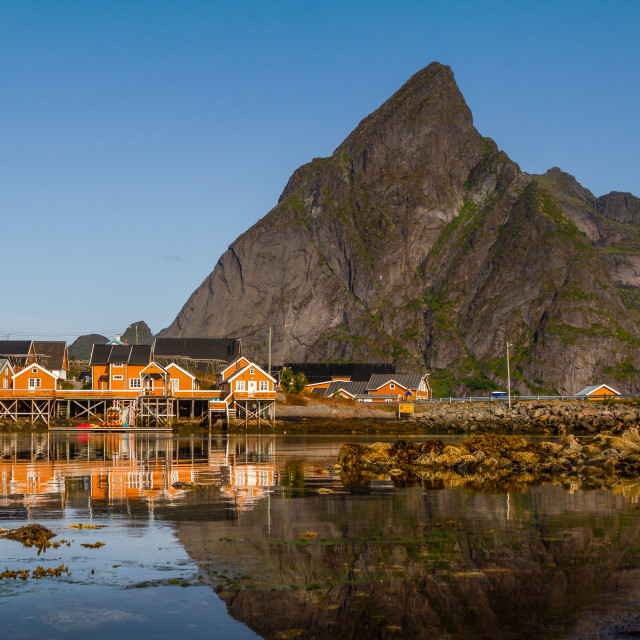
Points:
x=117 y=366
x=135 y=383
x=176 y=385
x=5 y=384
x=252 y=372
x=240 y=385
x=264 y=385
x=392 y=386
x=117 y=377
x=34 y=383
x=34 y=370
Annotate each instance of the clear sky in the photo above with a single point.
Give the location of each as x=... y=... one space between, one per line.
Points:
x=138 y=139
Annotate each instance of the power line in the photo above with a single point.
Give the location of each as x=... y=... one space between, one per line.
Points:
x=60 y=334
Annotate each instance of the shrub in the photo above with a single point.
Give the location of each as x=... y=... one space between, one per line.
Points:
x=286 y=379
x=299 y=382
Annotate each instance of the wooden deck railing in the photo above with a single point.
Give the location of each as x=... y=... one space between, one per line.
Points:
x=92 y=394
x=254 y=395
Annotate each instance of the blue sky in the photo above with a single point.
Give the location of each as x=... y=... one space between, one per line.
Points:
x=139 y=139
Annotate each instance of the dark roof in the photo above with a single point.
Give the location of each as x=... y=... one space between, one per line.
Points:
x=357 y=371
x=225 y=349
x=15 y=348
x=121 y=354
x=354 y=388
x=50 y=354
x=407 y=380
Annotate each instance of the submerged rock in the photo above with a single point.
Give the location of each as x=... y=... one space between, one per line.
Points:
x=27 y=533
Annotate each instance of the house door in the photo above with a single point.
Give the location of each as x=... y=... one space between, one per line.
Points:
x=253 y=387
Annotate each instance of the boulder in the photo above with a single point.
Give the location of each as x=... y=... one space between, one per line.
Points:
x=425 y=460
x=450 y=456
x=524 y=457
x=593 y=472
x=571 y=448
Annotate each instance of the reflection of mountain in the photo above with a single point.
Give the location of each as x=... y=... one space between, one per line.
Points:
x=417 y=564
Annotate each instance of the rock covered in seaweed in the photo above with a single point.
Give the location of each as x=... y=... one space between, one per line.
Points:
x=480 y=459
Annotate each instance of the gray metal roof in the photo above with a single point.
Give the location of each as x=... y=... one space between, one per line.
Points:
x=589 y=390
x=226 y=349
x=406 y=380
x=120 y=354
x=354 y=388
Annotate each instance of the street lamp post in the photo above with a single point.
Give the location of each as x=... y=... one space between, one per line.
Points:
x=508 y=374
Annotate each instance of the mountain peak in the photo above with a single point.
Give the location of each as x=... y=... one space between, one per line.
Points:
x=423 y=135
x=620 y=206
x=427 y=109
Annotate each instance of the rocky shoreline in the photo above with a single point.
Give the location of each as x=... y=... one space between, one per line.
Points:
x=558 y=416
x=544 y=417
x=487 y=461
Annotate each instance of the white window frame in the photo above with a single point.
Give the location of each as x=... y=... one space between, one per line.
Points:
x=264 y=385
x=135 y=383
x=240 y=385
x=34 y=370
x=5 y=383
x=35 y=383
x=118 y=377
x=252 y=372
x=392 y=386
x=118 y=366
x=175 y=384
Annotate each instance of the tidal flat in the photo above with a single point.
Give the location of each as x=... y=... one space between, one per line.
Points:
x=259 y=536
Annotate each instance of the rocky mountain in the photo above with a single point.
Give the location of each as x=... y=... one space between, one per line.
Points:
x=138 y=333
x=80 y=348
x=419 y=242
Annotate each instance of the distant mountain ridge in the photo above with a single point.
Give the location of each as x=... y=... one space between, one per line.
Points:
x=419 y=242
x=136 y=333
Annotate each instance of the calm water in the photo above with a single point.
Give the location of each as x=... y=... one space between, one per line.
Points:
x=264 y=551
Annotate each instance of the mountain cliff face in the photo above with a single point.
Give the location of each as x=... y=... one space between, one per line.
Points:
x=419 y=242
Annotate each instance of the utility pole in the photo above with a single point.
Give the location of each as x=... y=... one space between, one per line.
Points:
x=508 y=374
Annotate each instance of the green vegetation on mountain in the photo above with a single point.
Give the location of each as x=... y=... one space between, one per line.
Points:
x=419 y=242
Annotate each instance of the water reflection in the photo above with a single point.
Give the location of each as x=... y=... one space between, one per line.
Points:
x=364 y=560
x=131 y=467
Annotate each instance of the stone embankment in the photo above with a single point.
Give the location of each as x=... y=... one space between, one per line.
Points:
x=487 y=460
x=560 y=417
